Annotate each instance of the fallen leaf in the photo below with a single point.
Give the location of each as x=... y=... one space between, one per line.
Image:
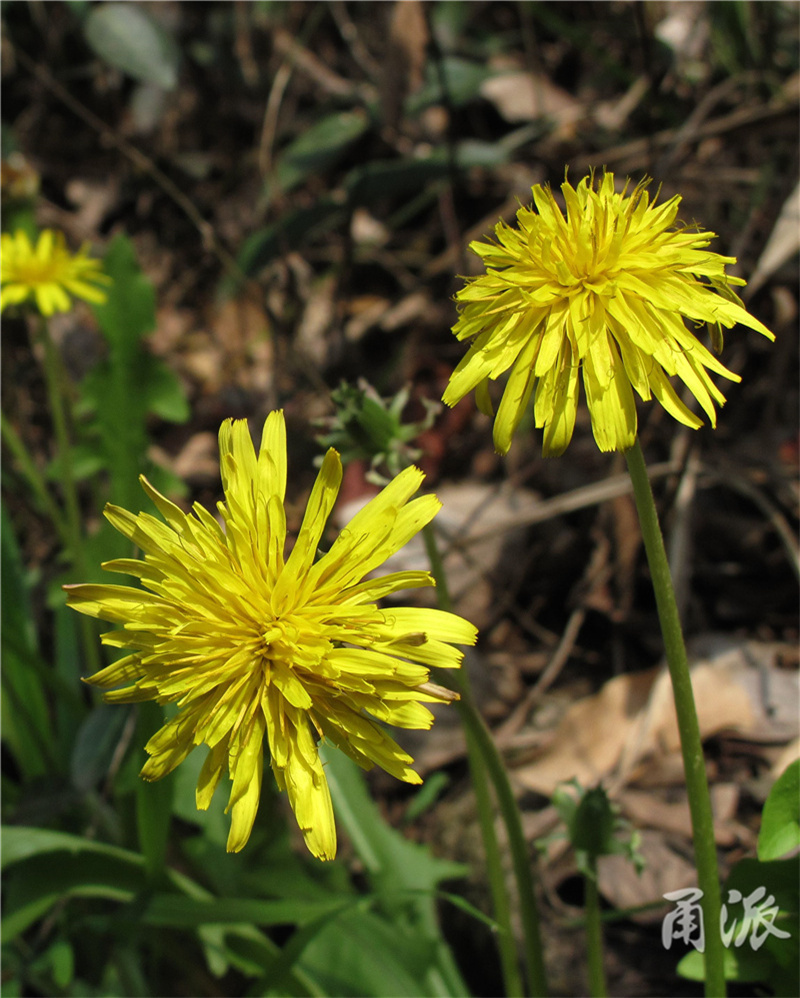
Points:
x=665 y=870
x=782 y=245
x=632 y=718
x=468 y=511
x=647 y=809
x=404 y=61
x=524 y=96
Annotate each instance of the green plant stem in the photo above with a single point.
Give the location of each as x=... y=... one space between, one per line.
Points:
x=512 y=978
x=72 y=514
x=485 y=758
x=691 y=744
x=594 y=934
x=494 y=864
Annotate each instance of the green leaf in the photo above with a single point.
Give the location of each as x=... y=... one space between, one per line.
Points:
x=70 y=707
x=174 y=911
x=130 y=383
x=153 y=800
x=593 y=830
x=16 y=607
x=20 y=843
x=292 y=229
x=426 y=796
x=130 y=309
x=380 y=179
x=362 y=955
x=51 y=865
x=58 y=960
x=212 y=820
x=780 y=819
x=163 y=393
x=462 y=78
x=476 y=152
x=779 y=877
x=739 y=965
x=746 y=965
x=98 y=736
x=777 y=962
x=129 y=39
x=254 y=954
x=393 y=863
x=43 y=866
x=319 y=147
x=403 y=874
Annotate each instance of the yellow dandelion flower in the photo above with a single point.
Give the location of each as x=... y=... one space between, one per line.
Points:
x=605 y=288
x=48 y=273
x=252 y=645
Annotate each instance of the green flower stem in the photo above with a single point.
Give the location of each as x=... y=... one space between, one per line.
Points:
x=500 y=901
x=705 y=850
x=494 y=864
x=72 y=518
x=594 y=934
x=484 y=757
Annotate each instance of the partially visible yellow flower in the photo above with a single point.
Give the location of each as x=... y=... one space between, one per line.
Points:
x=252 y=645
x=48 y=272
x=605 y=289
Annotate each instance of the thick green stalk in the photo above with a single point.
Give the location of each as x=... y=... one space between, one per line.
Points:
x=484 y=757
x=594 y=934
x=705 y=850
x=72 y=518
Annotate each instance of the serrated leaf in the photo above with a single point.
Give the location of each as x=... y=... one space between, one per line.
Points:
x=163 y=393
x=129 y=311
x=129 y=39
x=122 y=389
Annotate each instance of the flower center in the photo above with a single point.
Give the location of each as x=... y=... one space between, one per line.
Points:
x=33 y=272
x=295 y=640
x=280 y=639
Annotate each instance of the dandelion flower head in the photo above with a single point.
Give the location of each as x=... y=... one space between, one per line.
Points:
x=253 y=646
x=48 y=273
x=604 y=289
